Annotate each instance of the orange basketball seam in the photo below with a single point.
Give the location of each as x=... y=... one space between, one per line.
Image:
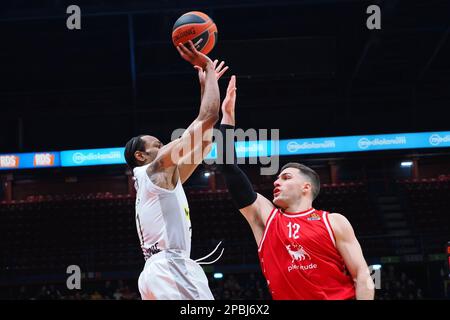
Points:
x=193 y=24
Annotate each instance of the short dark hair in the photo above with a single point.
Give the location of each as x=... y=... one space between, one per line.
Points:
x=133 y=145
x=310 y=173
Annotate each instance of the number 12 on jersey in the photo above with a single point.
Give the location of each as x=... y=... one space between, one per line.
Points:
x=294 y=228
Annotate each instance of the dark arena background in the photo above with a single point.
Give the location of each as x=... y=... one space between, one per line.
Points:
x=312 y=69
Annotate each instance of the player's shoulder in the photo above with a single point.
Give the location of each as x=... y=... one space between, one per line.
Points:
x=338 y=217
x=142 y=168
x=335 y=215
x=265 y=208
x=330 y=215
x=339 y=222
x=139 y=172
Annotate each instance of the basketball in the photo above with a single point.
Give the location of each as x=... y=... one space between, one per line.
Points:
x=194 y=26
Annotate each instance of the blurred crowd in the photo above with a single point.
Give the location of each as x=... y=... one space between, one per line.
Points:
x=231 y=287
x=395 y=285
x=105 y=290
x=240 y=287
x=398 y=286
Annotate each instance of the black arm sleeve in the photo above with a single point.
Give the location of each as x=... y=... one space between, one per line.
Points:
x=237 y=182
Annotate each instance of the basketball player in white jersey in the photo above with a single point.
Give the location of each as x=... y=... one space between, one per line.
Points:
x=162 y=212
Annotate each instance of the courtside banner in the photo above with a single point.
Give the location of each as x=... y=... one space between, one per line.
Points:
x=92 y=157
x=365 y=143
x=249 y=149
x=380 y=142
x=29 y=160
x=244 y=149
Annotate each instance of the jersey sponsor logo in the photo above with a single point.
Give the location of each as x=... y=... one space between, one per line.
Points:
x=299 y=254
x=313 y=216
x=303 y=268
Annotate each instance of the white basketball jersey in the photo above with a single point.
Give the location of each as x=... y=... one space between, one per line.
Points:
x=162 y=216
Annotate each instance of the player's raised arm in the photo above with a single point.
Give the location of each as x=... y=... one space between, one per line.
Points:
x=187 y=167
x=197 y=138
x=255 y=208
x=210 y=102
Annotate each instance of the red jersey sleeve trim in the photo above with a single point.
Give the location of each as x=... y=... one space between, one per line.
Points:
x=269 y=220
x=329 y=228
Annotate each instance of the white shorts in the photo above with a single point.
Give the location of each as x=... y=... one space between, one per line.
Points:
x=171 y=275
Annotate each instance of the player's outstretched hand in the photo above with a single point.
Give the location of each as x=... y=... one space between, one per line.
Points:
x=220 y=70
x=229 y=102
x=193 y=56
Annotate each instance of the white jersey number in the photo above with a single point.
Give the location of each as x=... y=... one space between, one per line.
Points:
x=293 y=230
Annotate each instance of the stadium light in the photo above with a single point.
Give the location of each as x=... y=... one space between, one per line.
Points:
x=406 y=164
x=218 y=275
x=376 y=267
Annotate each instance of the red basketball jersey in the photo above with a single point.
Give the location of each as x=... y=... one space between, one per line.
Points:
x=299 y=258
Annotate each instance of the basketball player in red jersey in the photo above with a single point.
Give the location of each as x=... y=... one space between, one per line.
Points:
x=305 y=253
